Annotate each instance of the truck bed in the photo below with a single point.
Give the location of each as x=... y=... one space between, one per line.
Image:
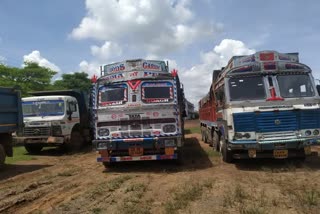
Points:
x=10 y=110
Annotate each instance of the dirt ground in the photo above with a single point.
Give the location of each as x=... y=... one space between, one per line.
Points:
x=59 y=183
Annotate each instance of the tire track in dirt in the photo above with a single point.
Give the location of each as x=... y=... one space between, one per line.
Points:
x=40 y=190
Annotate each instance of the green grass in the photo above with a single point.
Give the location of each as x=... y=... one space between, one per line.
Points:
x=211 y=153
x=19 y=154
x=193 y=130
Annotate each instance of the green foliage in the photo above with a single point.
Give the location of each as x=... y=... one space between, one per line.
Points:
x=78 y=80
x=31 y=77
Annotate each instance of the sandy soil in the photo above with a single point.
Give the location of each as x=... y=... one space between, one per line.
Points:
x=59 y=183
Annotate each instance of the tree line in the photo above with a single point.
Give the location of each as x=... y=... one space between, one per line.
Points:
x=32 y=77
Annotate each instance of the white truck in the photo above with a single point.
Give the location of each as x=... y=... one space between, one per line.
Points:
x=263 y=105
x=55 y=118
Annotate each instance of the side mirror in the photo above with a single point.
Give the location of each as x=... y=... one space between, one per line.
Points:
x=69 y=113
x=184 y=113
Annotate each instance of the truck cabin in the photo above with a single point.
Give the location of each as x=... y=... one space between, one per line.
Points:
x=260 y=82
x=50 y=106
x=135 y=82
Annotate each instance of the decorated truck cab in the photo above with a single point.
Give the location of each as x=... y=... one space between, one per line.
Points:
x=263 y=105
x=138 y=108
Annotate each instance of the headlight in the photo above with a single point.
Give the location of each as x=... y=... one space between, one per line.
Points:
x=103 y=132
x=247 y=135
x=238 y=135
x=307 y=133
x=56 y=130
x=169 y=128
x=316 y=132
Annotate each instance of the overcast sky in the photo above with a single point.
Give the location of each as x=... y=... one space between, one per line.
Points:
x=194 y=36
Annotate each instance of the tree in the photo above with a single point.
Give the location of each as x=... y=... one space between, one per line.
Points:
x=31 y=77
x=78 y=80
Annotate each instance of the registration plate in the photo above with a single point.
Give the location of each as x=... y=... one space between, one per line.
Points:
x=135 y=151
x=169 y=150
x=279 y=154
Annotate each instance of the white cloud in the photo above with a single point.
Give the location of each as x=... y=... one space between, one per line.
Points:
x=35 y=56
x=197 y=79
x=157 y=26
x=106 y=51
x=90 y=67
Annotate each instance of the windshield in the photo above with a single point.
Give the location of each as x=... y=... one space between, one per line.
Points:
x=43 y=108
x=112 y=95
x=157 y=92
x=295 y=86
x=246 y=88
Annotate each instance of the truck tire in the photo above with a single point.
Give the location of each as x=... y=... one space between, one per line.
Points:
x=202 y=138
x=206 y=139
x=215 y=141
x=2 y=156
x=33 y=148
x=226 y=155
x=76 y=141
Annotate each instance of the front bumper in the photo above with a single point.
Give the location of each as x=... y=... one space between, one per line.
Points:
x=154 y=148
x=296 y=143
x=291 y=153
x=292 y=148
x=50 y=140
x=136 y=158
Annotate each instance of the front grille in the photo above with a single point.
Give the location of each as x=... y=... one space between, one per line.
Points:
x=310 y=119
x=141 y=121
x=276 y=121
x=278 y=136
x=36 y=131
x=135 y=134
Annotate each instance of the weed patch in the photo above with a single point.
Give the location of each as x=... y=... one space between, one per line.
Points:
x=186 y=194
x=211 y=153
x=115 y=183
x=68 y=173
x=132 y=204
x=96 y=210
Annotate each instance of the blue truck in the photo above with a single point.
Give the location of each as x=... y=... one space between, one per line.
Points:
x=11 y=120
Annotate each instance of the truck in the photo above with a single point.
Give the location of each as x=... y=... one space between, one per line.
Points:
x=55 y=118
x=263 y=105
x=138 y=111
x=11 y=120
